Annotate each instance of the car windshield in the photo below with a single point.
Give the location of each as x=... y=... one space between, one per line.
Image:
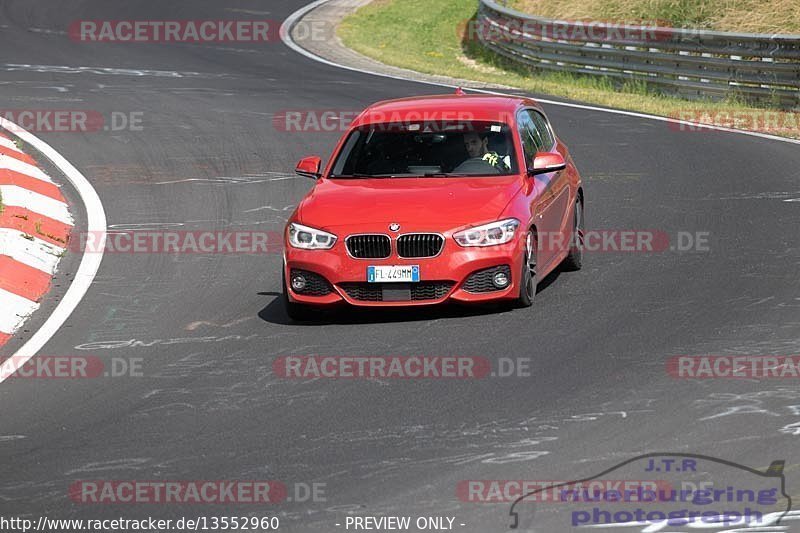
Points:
x=428 y=149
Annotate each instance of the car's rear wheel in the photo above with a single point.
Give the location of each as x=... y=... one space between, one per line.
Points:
x=527 y=287
x=574 y=260
x=296 y=311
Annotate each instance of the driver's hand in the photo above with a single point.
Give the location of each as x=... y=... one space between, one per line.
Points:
x=493 y=158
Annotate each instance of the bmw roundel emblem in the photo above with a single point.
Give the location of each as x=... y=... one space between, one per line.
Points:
x=394 y=226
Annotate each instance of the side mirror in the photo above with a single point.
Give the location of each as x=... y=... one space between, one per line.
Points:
x=545 y=162
x=309 y=167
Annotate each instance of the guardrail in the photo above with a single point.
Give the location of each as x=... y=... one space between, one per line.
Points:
x=691 y=63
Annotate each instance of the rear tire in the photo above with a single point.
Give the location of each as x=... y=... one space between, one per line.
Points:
x=528 y=281
x=574 y=260
x=295 y=311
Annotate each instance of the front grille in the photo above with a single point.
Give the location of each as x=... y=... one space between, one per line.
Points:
x=373 y=292
x=316 y=285
x=369 y=246
x=419 y=245
x=481 y=280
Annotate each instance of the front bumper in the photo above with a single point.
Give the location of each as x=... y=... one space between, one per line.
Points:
x=347 y=276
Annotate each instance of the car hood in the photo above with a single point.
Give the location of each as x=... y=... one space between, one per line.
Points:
x=432 y=204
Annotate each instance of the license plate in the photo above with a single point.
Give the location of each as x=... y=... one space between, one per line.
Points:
x=390 y=274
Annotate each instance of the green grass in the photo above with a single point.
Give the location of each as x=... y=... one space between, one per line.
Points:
x=424 y=35
x=755 y=16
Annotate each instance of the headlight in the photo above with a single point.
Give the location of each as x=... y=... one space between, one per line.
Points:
x=499 y=232
x=309 y=238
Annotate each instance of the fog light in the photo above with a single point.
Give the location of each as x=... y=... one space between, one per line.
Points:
x=298 y=282
x=500 y=280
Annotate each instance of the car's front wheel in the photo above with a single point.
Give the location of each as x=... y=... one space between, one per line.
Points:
x=574 y=260
x=527 y=286
x=294 y=310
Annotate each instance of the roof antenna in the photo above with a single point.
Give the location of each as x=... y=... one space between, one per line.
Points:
x=460 y=91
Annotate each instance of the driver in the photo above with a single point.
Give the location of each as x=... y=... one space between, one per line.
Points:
x=477 y=145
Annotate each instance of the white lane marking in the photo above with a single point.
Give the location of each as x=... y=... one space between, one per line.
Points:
x=14 y=309
x=47 y=31
x=66 y=69
x=260 y=177
x=9 y=163
x=138 y=225
x=268 y=207
x=34 y=252
x=8 y=143
x=247 y=11
x=90 y=263
x=286 y=37
x=38 y=203
x=226 y=180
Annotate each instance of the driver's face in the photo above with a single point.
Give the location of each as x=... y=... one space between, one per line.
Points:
x=476 y=147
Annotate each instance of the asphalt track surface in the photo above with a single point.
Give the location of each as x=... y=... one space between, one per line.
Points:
x=211 y=408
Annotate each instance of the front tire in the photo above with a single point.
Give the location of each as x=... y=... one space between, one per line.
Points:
x=574 y=260
x=528 y=281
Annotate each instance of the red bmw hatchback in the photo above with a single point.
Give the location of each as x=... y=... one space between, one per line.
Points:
x=433 y=199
